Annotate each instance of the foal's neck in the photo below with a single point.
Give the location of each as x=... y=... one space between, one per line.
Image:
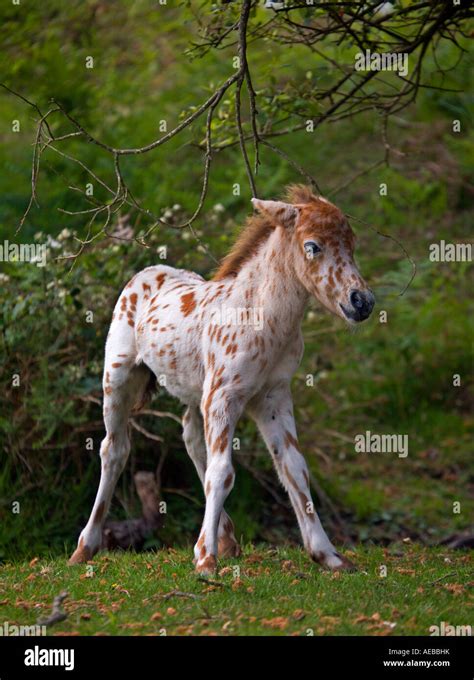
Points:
x=273 y=283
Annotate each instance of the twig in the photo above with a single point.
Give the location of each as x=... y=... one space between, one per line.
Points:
x=441 y=578
x=210 y=582
x=399 y=244
x=57 y=612
x=178 y=593
x=142 y=430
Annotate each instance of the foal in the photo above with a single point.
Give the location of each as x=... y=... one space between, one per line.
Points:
x=172 y=323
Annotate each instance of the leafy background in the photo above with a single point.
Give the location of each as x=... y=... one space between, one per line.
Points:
x=387 y=378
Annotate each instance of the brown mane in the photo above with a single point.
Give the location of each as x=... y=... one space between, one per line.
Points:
x=300 y=193
x=256 y=230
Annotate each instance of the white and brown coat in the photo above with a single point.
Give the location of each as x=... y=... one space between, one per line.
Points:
x=165 y=323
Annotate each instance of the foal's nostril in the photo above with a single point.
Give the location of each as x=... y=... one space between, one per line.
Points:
x=357 y=299
x=362 y=303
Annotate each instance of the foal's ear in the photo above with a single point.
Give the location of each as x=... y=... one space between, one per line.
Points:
x=282 y=213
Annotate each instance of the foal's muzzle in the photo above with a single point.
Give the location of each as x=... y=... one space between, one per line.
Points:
x=361 y=305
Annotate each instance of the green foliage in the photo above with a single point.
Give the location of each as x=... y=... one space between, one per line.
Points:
x=394 y=377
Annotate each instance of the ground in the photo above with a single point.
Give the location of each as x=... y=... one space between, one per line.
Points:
x=278 y=591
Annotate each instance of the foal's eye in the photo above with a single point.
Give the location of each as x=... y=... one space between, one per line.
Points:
x=311 y=249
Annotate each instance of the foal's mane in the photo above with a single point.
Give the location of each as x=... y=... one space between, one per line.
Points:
x=256 y=230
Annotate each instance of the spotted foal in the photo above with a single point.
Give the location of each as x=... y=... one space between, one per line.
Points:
x=201 y=339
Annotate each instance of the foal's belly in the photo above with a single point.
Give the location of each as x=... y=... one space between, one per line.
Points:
x=187 y=388
x=177 y=366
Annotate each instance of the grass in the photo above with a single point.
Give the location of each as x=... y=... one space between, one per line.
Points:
x=266 y=592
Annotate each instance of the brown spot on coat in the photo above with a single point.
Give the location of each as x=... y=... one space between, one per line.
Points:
x=188 y=303
x=289 y=439
x=160 y=280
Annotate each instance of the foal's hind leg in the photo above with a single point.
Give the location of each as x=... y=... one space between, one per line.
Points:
x=274 y=416
x=124 y=385
x=193 y=435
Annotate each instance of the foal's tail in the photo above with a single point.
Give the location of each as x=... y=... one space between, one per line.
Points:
x=124 y=369
x=146 y=394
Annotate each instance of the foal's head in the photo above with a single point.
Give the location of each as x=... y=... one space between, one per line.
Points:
x=321 y=249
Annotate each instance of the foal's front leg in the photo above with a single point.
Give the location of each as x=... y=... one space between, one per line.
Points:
x=221 y=412
x=274 y=417
x=193 y=435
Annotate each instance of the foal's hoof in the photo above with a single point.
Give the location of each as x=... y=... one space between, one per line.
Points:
x=207 y=566
x=346 y=564
x=228 y=547
x=81 y=554
x=334 y=561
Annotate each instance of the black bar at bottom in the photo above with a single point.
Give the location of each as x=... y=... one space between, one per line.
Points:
x=86 y=657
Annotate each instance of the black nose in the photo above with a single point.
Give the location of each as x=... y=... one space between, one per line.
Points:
x=362 y=302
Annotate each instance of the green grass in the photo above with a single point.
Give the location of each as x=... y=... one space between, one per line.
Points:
x=266 y=592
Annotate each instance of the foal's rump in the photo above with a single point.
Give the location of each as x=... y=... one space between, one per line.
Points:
x=142 y=339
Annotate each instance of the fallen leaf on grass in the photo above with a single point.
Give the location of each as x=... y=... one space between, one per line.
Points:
x=225 y=570
x=210 y=589
x=330 y=620
x=119 y=589
x=279 y=622
x=287 y=565
x=24 y=604
x=253 y=559
x=455 y=588
x=362 y=618
x=184 y=630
